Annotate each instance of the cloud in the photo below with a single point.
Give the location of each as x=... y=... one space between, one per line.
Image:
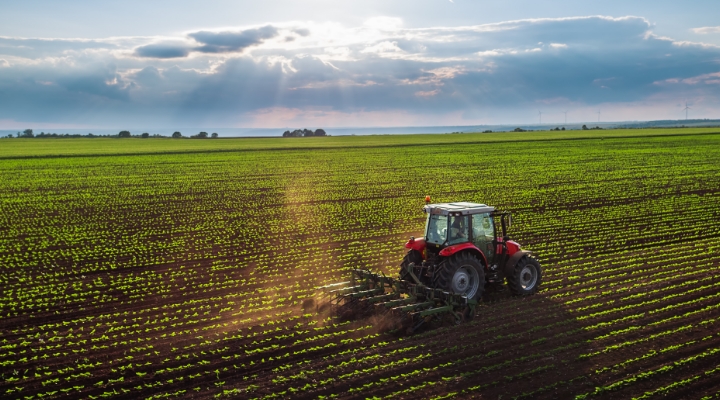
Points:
x=489 y=73
x=226 y=42
x=211 y=42
x=37 y=48
x=148 y=76
x=163 y=50
x=710 y=79
x=707 y=29
x=302 y=31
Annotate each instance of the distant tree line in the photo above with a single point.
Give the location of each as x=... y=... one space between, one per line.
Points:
x=304 y=133
x=28 y=133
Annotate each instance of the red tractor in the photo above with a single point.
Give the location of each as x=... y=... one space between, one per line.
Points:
x=465 y=246
x=443 y=275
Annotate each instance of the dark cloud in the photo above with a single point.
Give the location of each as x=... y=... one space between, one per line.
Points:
x=163 y=50
x=210 y=42
x=226 y=42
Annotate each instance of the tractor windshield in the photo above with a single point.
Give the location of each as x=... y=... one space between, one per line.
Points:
x=436 y=229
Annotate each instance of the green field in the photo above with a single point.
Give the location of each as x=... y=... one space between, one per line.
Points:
x=156 y=268
x=103 y=146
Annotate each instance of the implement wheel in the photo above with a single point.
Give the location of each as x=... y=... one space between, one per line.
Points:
x=412 y=256
x=462 y=273
x=526 y=277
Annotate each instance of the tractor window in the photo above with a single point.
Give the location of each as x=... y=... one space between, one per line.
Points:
x=458 y=229
x=482 y=227
x=436 y=231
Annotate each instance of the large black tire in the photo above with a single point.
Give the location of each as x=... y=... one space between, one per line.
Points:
x=462 y=273
x=526 y=277
x=412 y=256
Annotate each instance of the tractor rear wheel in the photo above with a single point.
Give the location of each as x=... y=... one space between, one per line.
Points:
x=526 y=277
x=412 y=256
x=462 y=273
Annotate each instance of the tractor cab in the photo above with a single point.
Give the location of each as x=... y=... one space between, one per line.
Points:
x=454 y=223
x=451 y=224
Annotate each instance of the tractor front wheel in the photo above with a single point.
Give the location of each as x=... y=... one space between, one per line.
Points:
x=526 y=277
x=462 y=273
x=412 y=256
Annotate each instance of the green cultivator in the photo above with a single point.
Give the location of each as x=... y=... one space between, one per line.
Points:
x=411 y=303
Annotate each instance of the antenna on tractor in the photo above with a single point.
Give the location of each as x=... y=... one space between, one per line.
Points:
x=686 y=110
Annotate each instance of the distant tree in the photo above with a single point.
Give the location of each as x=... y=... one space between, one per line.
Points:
x=286 y=133
x=145 y=135
x=27 y=133
x=201 y=135
x=214 y=135
x=320 y=132
x=487 y=131
x=584 y=127
x=519 y=130
x=563 y=128
x=307 y=133
x=124 y=134
x=177 y=135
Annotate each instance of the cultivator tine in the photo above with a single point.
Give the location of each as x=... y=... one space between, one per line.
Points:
x=436 y=310
x=413 y=307
x=348 y=289
x=381 y=298
x=395 y=303
x=366 y=293
x=334 y=285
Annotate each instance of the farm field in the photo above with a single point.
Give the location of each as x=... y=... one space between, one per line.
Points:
x=188 y=269
x=107 y=146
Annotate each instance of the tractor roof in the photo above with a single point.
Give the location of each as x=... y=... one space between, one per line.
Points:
x=458 y=208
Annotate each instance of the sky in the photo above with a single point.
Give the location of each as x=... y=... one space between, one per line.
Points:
x=104 y=64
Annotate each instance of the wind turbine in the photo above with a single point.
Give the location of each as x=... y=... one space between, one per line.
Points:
x=686 y=110
x=540 y=114
x=565 y=112
x=598 y=113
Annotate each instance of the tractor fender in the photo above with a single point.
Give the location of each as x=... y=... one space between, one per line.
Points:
x=416 y=244
x=450 y=250
x=510 y=266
